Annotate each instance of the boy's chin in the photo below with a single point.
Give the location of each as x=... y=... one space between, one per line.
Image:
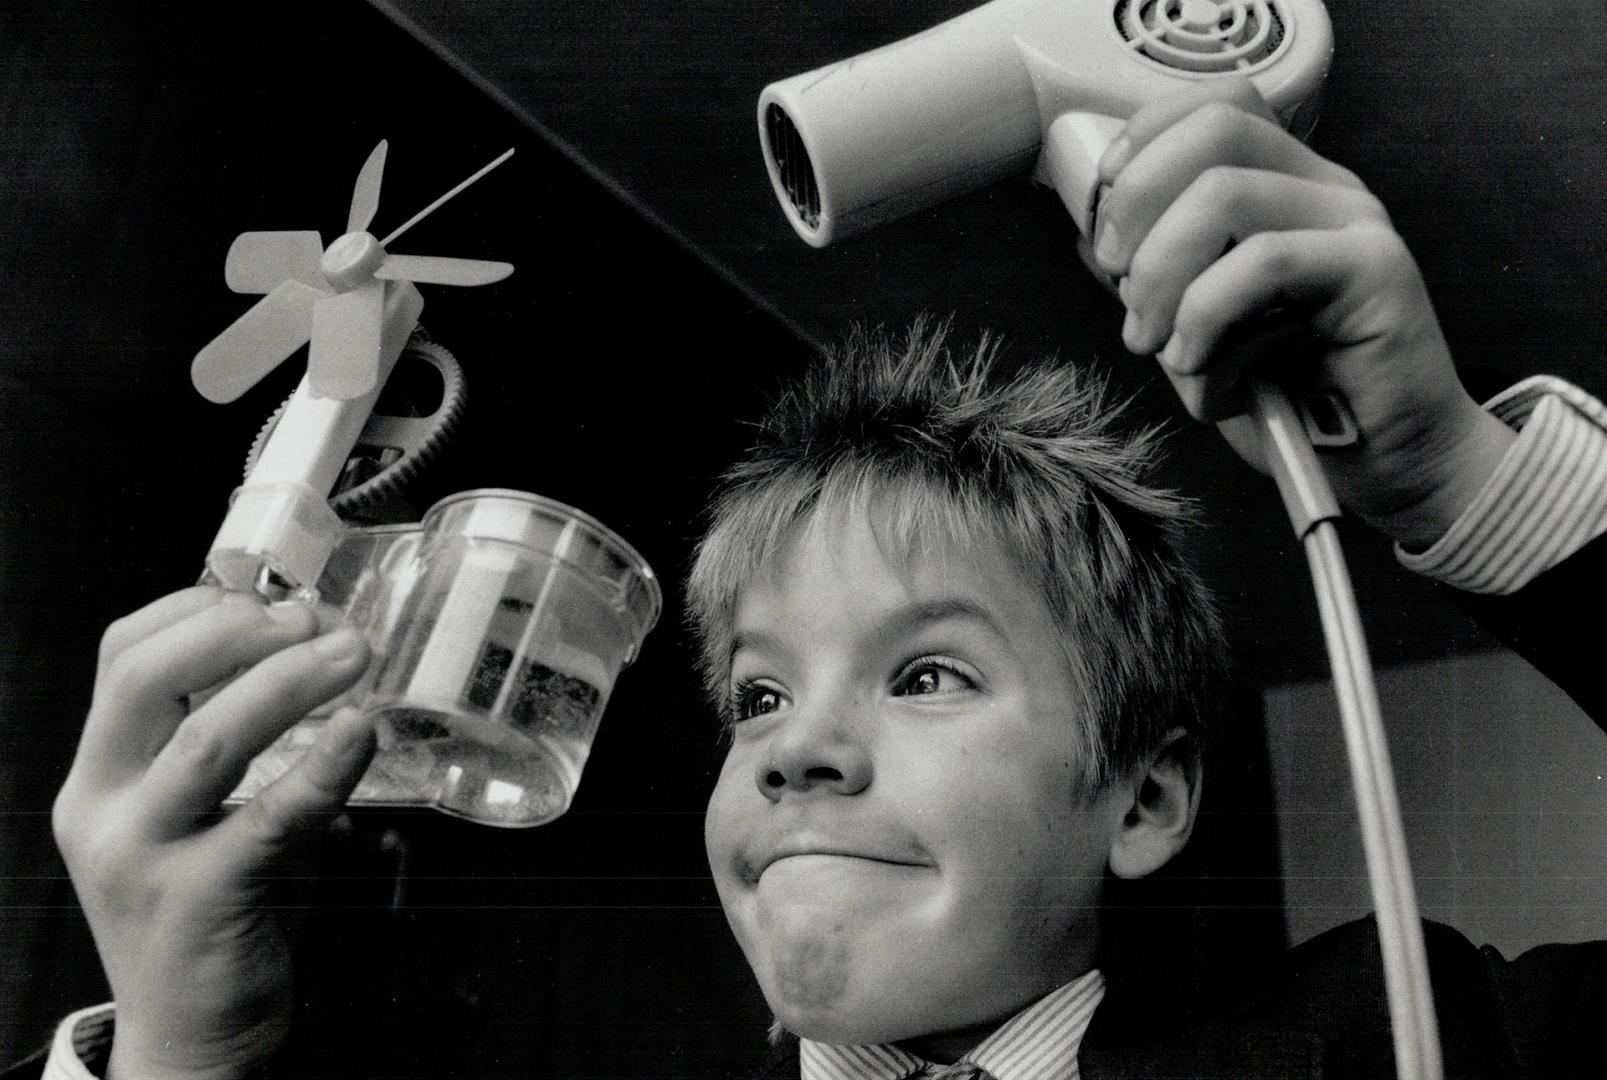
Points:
x=815 y=992
x=840 y=1027
x=856 y=977
x=829 y=1004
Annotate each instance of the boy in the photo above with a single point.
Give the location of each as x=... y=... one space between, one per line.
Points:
x=966 y=678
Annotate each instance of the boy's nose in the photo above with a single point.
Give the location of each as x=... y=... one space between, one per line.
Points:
x=813 y=760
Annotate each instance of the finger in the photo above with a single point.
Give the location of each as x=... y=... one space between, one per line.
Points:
x=1152 y=119
x=1280 y=344
x=1217 y=396
x=328 y=618
x=1312 y=270
x=155 y=616
x=143 y=693
x=210 y=750
x=1212 y=135
x=310 y=796
x=1224 y=205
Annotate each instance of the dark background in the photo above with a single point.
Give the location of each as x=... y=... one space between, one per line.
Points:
x=659 y=296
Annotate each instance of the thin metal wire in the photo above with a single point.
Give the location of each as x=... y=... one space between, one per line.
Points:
x=430 y=209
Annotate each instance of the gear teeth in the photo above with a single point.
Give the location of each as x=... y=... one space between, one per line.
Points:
x=394 y=478
x=260 y=443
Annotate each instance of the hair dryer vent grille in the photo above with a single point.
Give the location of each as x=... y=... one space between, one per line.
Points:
x=1207 y=37
x=792 y=165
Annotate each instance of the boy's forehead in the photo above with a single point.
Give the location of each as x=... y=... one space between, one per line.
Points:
x=864 y=554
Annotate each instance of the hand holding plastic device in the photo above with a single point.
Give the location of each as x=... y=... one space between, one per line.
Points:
x=1043 y=87
x=354 y=305
x=498 y=623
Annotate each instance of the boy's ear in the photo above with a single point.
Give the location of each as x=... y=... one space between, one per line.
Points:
x=1159 y=816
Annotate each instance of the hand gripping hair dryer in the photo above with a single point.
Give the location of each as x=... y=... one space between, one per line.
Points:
x=1013 y=86
x=1044 y=86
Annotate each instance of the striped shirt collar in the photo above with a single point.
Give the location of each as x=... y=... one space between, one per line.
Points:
x=1038 y=1043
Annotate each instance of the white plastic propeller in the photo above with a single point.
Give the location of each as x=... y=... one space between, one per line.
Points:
x=365 y=195
x=258 y=261
x=256 y=342
x=439 y=270
x=335 y=297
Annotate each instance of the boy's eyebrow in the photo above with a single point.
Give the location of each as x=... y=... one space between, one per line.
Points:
x=901 y=620
x=914 y=616
x=752 y=639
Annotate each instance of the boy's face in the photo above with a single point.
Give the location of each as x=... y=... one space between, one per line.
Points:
x=898 y=834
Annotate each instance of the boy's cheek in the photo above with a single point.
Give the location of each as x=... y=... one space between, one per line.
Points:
x=722 y=820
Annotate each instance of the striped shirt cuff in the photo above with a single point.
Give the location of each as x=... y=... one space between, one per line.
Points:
x=1547 y=498
x=82 y=1045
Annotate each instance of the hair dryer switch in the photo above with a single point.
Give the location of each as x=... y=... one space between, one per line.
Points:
x=1069 y=162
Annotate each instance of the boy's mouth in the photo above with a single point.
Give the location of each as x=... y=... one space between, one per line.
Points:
x=752 y=865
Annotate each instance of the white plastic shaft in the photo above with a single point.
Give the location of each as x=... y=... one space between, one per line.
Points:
x=452 y=650
x=492 y=556
x=279 y=527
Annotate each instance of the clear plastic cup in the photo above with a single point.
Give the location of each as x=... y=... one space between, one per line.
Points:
x=499 y=624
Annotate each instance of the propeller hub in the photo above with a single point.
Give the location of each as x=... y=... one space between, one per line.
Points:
x=351 y=260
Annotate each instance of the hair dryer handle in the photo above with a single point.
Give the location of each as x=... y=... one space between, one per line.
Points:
x=1069 y=163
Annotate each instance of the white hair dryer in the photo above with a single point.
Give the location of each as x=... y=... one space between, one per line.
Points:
x=1013 y=86
x=1044 y=86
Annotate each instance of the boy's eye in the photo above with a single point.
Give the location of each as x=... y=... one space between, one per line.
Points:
x=751 y=699
x=929 y=676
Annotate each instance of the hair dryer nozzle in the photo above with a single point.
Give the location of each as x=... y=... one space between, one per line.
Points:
x=879 y=135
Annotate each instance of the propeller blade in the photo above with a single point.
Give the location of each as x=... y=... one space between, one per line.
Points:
x=365 y=196
x=438 y=270
x=258 y=261
x=346 y=329
x=256 y=342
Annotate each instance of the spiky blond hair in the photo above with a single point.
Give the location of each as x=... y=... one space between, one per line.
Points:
x=932 y=445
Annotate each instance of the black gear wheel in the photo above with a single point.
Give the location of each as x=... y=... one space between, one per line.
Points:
x=392 y=449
